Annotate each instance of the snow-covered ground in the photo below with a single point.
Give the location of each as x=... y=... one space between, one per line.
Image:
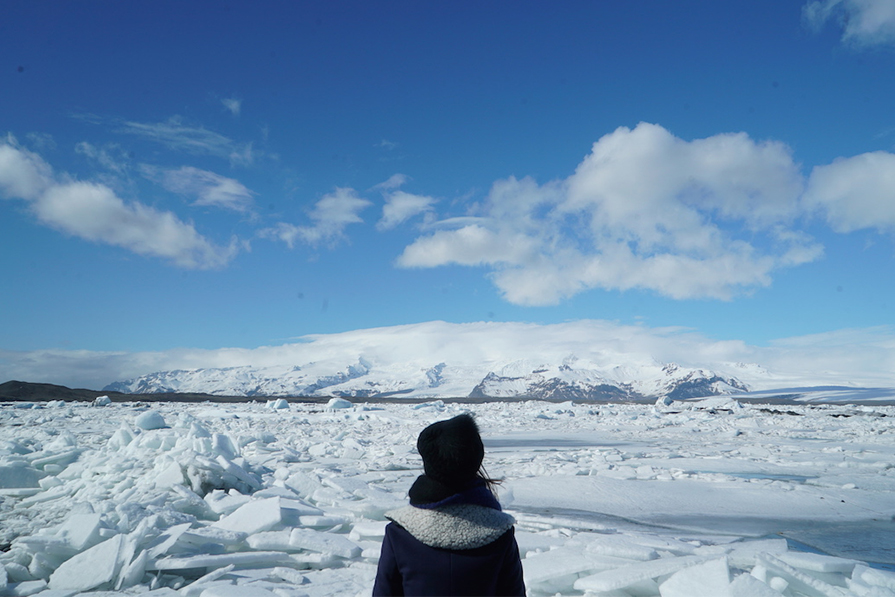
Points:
x=709 y=498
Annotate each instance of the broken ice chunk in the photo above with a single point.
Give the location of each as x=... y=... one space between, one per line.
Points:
x=236 y=591
x=874 y=577
x=271 y=540
x=241 y=558
x=337 y=545
x=746 y=585
x=16 y=477
x=276 y=491
x=368 y=530
x=253 y=517
x=798 y=580
x=45 y=544
x=289 y=575
x=818 y=563
x=26 y=588
x=322 y=522
x=222 y=444
x=557 y=568
x=314 y=560
x=169 y=474
x=225 y=502
x=80 y=531
x=132 y=573
x=710 y=579
x=620 y=547
x=299 y=508
x=62 y=457
x=168 y=539
x=150 y=420
x=15 y=572
x=350 y=485
x=742 y=554
x=122 y=437
x=203 y=536
x=335 y=403
x=303 y=483
x=238 y=472
x=42 y=566
x=619 y=578
x=89 y=569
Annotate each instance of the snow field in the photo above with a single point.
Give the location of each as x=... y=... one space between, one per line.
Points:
x=709 y=498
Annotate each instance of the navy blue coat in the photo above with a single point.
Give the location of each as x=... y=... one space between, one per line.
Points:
x=409 y=567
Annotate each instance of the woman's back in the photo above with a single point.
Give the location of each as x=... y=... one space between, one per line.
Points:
x=453 y=539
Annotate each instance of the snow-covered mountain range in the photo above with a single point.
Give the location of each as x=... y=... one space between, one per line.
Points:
x=441 y=360
x=363 y=380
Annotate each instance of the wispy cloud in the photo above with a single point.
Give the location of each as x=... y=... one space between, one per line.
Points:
x=41 y=141
x=394 y=181
x=864 y=22
x=197 y=140
x=210 y=189
x=386 y=144
x=331 y=215
x=94 y=212
x=233 y=105
x=104 y=156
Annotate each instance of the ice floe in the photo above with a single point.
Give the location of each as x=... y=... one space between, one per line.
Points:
x=676 y=499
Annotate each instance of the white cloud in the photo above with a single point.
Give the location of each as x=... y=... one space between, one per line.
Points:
x=663 y=187
x=23 y=174
x=331 y=215
x=471 y=244
x=548 y=281
x=210 y=189
x=93 y=212
x=865 y=22
x=232 y=104
x=643 y=210
x=283 y=231
x=400 y=207
x=856 y=192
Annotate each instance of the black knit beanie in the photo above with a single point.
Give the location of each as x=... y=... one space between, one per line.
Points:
x=452 y=451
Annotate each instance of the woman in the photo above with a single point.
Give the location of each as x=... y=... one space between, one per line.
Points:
x=453 y=538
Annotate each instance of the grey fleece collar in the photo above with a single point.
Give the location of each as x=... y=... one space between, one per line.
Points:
x=458 y=526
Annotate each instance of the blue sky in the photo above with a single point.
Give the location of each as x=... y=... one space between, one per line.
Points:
x=206 y=174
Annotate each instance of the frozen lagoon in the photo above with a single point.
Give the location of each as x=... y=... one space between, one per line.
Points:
x=701 y=498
